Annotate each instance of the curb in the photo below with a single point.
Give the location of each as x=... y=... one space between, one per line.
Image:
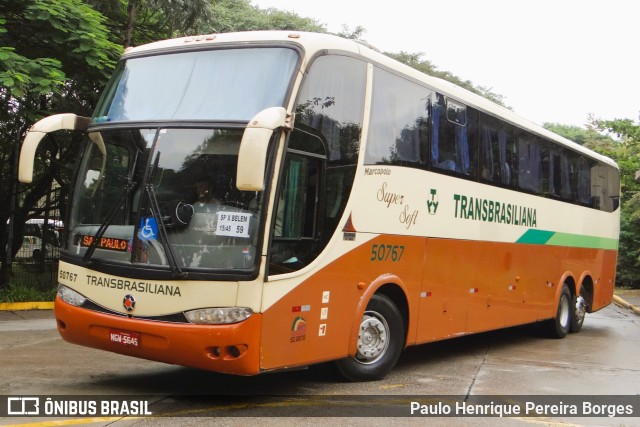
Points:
x=21 y=306
x=622 y=303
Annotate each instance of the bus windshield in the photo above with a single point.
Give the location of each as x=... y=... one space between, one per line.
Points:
x=162 y=192
x=164 y=197
x=212 y=85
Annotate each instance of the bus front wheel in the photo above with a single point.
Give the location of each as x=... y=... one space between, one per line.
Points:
x=380 y=341
x=559 y=326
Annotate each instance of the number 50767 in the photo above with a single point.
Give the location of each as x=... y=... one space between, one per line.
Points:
x=384 y=252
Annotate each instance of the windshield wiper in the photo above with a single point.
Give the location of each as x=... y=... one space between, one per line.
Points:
x=130 y=185
x=162 y=231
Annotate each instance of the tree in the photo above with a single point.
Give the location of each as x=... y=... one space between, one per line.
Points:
x=55 y=58
x=240 y=15
x=625 y=150
x=619 y=140
x=587 y=137
x=136 y=22
x=415 y=60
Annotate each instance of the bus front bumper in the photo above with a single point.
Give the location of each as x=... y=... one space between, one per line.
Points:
x=231 y=349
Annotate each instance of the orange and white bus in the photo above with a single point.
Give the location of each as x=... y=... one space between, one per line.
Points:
x=261 y=201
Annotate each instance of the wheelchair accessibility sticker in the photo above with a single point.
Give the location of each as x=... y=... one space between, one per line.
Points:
x=148 y=229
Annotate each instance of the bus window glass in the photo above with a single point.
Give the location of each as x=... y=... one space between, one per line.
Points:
x=583 y=177
x=190 y=193
x=398 y=132
x=529 y=163
x=320 y=162
x=559 y=173
x=330 y=109
x=497 y=152
x=456 y=112
x=295 y=211
x=105 y=173
x=332 y=101
x=453 y=140
x=605 y=187
x=229 y=84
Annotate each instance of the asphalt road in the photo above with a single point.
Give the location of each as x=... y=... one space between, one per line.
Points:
x=600 y=361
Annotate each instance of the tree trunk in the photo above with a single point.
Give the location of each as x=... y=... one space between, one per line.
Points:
x=131 y=12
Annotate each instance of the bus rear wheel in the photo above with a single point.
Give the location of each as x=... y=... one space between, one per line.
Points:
x=579 y=306
x=559 y=326
x=381 y=338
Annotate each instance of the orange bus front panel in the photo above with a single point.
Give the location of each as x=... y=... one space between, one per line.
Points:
x=232 y=349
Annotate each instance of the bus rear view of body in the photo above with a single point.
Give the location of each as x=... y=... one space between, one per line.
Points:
x=260 y=201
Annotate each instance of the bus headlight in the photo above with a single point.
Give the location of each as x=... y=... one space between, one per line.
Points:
x=70 y=296
x=218 y=315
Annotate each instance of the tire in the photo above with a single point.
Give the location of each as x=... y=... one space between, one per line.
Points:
x=578 y=312
x=380 y=342
x=560 y=325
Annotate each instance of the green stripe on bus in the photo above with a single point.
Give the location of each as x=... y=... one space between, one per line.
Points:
x=543 y=237
x=535 y=237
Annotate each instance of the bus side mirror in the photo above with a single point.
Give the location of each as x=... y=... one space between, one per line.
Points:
x=252 y=156
x=37 y=132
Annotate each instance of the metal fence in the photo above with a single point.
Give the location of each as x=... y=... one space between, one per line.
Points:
x=36 y=271
x=35 y=265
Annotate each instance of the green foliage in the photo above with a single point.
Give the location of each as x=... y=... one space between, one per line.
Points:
x=77 y=28
x=625 y=150
x=589 y=137
x=415 y=60
x=619 y=140
x=355 y=34
x=54 y=57
x=25 y=293
x=20 y=75
x=240 y=15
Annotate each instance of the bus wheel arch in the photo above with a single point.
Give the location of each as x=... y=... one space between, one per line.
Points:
x=380 y=335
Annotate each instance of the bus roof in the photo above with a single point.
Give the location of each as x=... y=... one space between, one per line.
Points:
x=313 y=43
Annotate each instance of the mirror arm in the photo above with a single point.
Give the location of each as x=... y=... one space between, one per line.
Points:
x=252 y=156
x=38 y=131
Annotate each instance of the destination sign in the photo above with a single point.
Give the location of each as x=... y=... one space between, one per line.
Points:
x=109 y=243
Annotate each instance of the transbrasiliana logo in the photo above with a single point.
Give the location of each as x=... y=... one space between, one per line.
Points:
x=432 y=202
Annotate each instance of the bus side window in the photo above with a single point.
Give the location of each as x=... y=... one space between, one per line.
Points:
x=453 y=140
x=295 y=210
x=605 y=187
x=583 y=177
x=297 y=213
x=399 y=125
x=530 y=163
x=497 y=153
x=559 y=174
x=320 y=162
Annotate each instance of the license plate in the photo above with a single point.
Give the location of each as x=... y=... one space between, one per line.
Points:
x=124 y=337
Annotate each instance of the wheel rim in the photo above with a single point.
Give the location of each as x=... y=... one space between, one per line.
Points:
x=581 y=309
x=563 y=315
x=373 y=338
